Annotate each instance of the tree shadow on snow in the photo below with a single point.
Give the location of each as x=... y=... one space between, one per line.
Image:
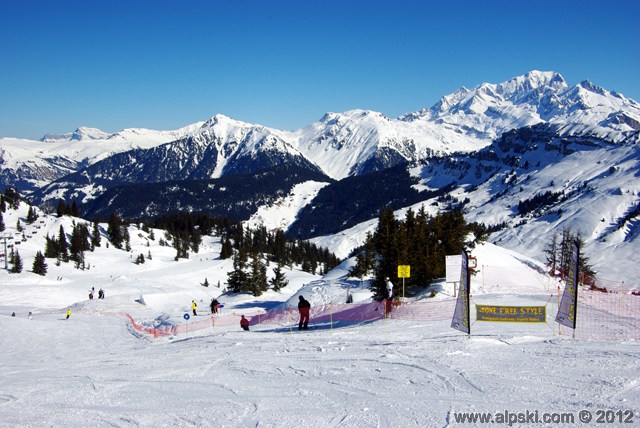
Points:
x=268 y=305
x=313 y=326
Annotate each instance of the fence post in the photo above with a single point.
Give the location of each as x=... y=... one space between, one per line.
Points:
x=558 y=308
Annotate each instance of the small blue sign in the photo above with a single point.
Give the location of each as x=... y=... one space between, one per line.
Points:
x=186 y=316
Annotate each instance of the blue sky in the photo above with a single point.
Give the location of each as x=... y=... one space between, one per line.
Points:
x=161 y=64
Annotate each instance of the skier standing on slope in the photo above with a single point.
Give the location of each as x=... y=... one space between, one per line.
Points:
x=194 y=307
x=214 y=306
x=244 y=323
x=389 y=288
x=389 y=295
x=303 y=307
x=68 y=313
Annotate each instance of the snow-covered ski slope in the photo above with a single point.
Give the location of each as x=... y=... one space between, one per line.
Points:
x=95 y=370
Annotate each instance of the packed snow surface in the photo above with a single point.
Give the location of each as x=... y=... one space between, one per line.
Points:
x=95 y=370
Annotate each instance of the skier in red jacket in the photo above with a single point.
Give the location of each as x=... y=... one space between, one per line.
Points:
x=244 y=323
x=303 y=307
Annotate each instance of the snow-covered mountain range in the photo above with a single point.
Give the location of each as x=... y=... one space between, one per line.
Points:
x=487 y=149
x=339 y=144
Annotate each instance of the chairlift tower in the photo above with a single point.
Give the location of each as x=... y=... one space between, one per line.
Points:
x=4 y=237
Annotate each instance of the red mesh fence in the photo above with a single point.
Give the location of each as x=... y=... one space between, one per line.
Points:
x=329 y=315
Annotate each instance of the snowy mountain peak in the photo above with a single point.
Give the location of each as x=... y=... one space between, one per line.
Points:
x=217 y=119
x=84 y=134
x=532 y=80
x=525 y=88
x=587 y=85
x=80 y=134
x=331 y=118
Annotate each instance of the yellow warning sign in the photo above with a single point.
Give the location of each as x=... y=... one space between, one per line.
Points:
x=404 y=271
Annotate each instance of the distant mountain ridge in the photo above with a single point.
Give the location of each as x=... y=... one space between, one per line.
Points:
x=83 y=164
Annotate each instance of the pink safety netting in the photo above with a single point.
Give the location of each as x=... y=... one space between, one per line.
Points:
x=613 y=314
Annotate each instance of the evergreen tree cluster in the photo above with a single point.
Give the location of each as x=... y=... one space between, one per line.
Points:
x=10 y=197
x=73 y=250
x=252 y=250
x=419 y=240
x=39 y=264
x=16 y=262
x=558 y=253
x=32 y=215
x=538 y=201
x=259 y=245
x=118 y=232
x=186 y=230
x=70 y=210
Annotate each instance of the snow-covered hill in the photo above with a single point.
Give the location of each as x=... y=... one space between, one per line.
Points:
x=95 y=370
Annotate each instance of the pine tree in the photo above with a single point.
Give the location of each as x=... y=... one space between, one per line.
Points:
x=2 y=226
x=17 y=263
x=279 y=280
x=258 y=277
x=61 y=208
x=196 y=241
x=32 y=215
x=566 y=253
x=79 y=242
x=79 y=261
x=51 y=248
x=551 y=253
x=114 y=231
x=95 y=236
x=237 y=279
x=181 y=244
x=63 y=246
x=205 y=283
x=227 y=249
x=39 y=264
x=583 y=261
x=126 y=237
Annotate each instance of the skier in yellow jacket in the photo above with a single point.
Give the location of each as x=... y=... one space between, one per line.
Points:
x=194 y=307
x=68 y=313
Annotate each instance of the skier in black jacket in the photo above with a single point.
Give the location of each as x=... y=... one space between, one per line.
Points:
x=303 y=307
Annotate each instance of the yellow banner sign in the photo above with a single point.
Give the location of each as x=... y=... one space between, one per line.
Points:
x=511 y=313
x=404 y=271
